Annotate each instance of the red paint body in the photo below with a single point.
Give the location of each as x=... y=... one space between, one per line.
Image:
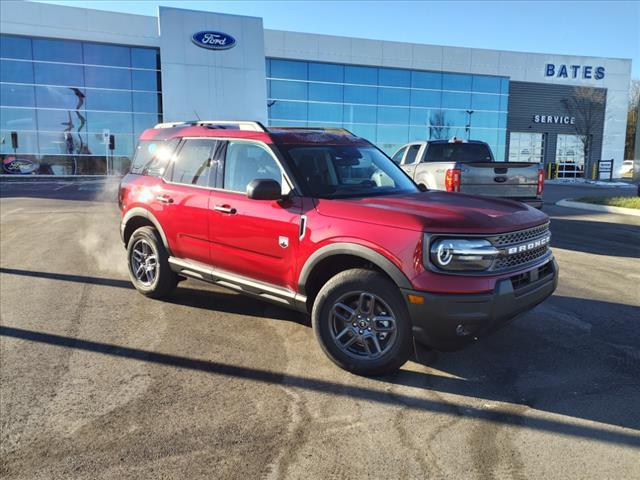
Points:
x=246 y=243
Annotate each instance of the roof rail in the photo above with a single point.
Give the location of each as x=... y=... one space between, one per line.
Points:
x=337 y=131
x=238 y=125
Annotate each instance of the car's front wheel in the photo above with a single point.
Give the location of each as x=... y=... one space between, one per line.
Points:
x=362 y=322
x=148 y=261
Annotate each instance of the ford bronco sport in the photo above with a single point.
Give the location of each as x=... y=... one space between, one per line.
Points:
x=322 y=221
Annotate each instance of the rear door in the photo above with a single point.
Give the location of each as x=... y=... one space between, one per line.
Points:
x=183 y=202
x=411 y=159
x=253 y=238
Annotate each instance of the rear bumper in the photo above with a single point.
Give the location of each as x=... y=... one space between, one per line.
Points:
x=532 y=202
x=450 y=321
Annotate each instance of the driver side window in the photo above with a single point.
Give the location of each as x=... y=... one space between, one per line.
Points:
x=244 y=162
x=397 y=158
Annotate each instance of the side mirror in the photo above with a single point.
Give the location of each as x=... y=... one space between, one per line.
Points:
x=264 y=189
x=422 y=187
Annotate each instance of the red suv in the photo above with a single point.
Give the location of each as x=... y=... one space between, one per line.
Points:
x=322 y=221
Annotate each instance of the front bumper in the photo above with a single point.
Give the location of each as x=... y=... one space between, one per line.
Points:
x=450 y=321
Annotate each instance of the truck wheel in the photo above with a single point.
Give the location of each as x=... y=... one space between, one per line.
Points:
x=149 y=265
x=362 y=322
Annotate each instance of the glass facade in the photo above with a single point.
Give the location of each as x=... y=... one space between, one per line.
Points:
x=570 y=155
x=389 y=106
x=60 y=99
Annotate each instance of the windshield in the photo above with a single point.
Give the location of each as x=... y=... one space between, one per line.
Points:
x=459 y=152
x=339 y=171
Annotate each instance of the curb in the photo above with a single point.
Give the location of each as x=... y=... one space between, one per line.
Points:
x=598 y=208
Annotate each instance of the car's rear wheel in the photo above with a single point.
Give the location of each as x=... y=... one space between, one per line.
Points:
x=148 y=261
x=362 y=323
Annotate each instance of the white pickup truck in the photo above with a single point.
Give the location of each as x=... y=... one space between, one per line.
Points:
x=468 y=166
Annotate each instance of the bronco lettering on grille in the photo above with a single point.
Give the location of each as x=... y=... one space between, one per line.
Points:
x=525 y=247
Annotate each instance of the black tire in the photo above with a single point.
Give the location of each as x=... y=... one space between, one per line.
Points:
x=164 y=280
x=343 y=286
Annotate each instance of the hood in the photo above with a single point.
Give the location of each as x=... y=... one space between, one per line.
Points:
x=435 y=211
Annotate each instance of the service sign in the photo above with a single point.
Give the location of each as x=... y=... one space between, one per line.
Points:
x=213 y=40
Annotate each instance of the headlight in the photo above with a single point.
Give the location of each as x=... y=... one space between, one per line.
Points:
x=458 y=254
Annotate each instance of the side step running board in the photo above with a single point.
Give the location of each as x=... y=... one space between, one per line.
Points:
x=255 y=288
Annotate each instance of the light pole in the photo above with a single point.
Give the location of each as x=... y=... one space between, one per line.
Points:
x=468 y=127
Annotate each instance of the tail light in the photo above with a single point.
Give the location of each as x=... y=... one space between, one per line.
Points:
x=540 y=181
x=452 y=180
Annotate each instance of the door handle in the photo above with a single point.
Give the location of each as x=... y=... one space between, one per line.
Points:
x=164 y=199
x=225 y=209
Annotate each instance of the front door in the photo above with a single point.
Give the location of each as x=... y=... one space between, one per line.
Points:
x=253 y=238
x=410 y=161
x=185 y=200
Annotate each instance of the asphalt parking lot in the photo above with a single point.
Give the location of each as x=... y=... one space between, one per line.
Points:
x=99 y=382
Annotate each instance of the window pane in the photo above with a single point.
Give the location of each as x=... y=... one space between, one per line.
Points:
x=325 y=92
x=61 y=120
x=394 y=96
x=19 y=72
x=392 y=136
x=145 y=80
x=361 y=75
x=419 y=133
x=326 y=72
x=142 y=121
x=483 y=83
x=62 y=143
x=17 y=95
x=394 y=77
x=455 y=81
x=288 y=90
x=289 y=110
x=420 y=116
x=504 y=86
x=145 y=58
x=109 y=100
x=393 y=115
x=360 y=114
x=17 y=119
x=357 y=94
x=193 y=163
x=146 y=102
x=420 y=98
x=124 y=144
x=426 y=80
x=485 y=119
x=245 y=162
x=485 y=102
x=368 y=132
x=289 y=69
x=504 y=103
x=60 y=97
x=325 y=112
x=114 y=122
x=455 y=118
x=456 y=100
x=15 y=47
x=56 y=74
x=57 y=50
x=100 y=54
x=27 y=142
x=103 y=77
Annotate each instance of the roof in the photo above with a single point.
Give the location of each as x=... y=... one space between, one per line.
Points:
x=252 y=130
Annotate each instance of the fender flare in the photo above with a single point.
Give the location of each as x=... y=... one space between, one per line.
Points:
x=143 y=212
x=344 y=248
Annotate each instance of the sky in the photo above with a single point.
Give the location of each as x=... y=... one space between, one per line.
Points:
x=594 y=28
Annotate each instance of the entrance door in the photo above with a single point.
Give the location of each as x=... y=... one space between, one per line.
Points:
x=570 y=156
x=253 y=238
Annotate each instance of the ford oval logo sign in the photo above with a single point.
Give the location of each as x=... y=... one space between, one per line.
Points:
x=213 y=40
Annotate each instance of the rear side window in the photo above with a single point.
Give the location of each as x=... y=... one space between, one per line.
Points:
x=152 y=157
x=412 y=154
x=193 y=162
x=459 y=152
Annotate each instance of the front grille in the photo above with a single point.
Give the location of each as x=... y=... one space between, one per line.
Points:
x=519 y=236
x=515 y=260
x=513 y=239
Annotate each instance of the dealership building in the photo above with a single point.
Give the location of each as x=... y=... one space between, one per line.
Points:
x=79 y=85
